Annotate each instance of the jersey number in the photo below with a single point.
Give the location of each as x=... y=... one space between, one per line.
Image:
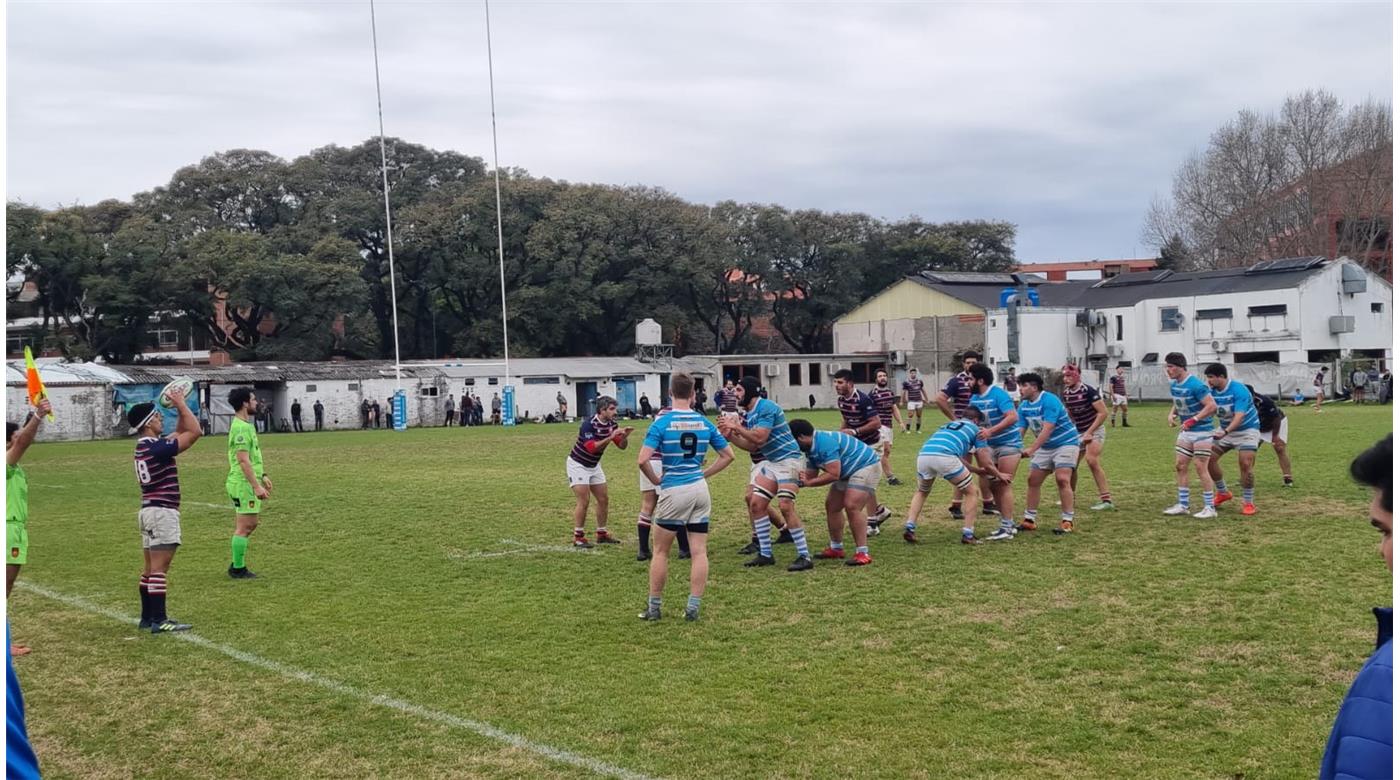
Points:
x=142 y=472
x=690 y=444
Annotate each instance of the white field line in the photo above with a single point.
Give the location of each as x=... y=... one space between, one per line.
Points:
x=520 y=548
x=311 y=678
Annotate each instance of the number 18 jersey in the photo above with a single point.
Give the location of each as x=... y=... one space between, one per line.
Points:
x=683 y=436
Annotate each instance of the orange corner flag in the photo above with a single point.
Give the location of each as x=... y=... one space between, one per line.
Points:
x=37 y=392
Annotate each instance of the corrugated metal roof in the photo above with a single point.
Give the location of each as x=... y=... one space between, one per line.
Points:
x=57 y=373
x=572 y=367
x=987 y=295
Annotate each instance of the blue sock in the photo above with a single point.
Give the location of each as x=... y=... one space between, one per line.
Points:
x=862 y=549
x=1007 y=522
x=1183 y=496
x=653 y=602
x=1221 y=486
x=910 y=525
x=763 y=529
x=967 y=531
x=835 y=545
x=692 y=603
x=1249 y=495
x=799 y=540
x=1208 y=496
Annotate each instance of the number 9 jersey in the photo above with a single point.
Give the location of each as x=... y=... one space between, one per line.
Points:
x=683 y=436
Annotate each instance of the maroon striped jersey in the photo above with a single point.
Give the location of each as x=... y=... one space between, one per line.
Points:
x=915 y=389
x=156 y=473
x=959 y=391
x=592 y=430
x=883 y=398
x=1079 y=402
x=856 y=410
x=656 y=456
x=1118 y=384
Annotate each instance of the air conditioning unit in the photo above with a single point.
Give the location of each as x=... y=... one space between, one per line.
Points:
x=1089 y=319
x=1220 y=346
x=897 y=357
x=770 y=369
x=1115 y=350
x=1338 y=323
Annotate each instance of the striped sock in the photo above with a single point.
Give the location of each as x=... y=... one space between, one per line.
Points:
x=1031 y=514
x=763 y=529
x=1183 y=496
x=692 y=604
x=1208 y=496
x=643 y=532
x=1249 y=495
x=799 y=540
x=910 y=525
x=1221 y=487
x=1007 y=522
x=836 y=544
x=967 y=531
x=155 y=587
x=654 y=602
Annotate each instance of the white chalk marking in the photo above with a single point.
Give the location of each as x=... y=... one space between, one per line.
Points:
x=521 y=548
x=407 y=707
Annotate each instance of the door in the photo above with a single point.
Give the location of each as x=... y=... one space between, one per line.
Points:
x=585 y=393
x=626 y=395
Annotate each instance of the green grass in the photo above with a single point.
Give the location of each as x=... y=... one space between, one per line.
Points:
x=1140 y=646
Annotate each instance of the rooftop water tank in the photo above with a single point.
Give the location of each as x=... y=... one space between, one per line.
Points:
x=648 y=333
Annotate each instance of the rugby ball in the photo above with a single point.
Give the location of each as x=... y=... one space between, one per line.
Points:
x=179 y=383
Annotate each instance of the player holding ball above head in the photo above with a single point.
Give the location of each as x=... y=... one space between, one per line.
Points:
x=159 y=480
x=586 y=477
x=1193 y=409
x=946 y=454
x=248 y=485
x=682 y=436
x=852 y=469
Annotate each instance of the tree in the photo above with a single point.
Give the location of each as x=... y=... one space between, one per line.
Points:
x=725 y=277
x=1284 y=184
x=1174 y=255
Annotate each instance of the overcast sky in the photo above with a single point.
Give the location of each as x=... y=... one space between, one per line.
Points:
x=1062 y=118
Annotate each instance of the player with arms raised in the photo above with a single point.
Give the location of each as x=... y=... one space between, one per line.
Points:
x=682 y=436
x=586 y=477
x=17 y=441
x=159 y=518
x=1193 y=409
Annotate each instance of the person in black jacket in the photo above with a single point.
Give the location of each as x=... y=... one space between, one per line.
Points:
x=319 y=410
x=296 y=416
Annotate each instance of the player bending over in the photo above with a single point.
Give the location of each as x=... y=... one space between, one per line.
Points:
x=1273 y=430
x=586 y=477
x=852 y=469
x=159 y=517
x=682 y=436
x=946 y=454
x=1239 y=430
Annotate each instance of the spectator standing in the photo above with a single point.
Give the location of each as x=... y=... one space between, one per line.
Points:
x=478 y=410
x=451 y=410
x=296 y=416
x=495 y=408
x=1358 y=385
x=319 y=410
x=389 y=412
x=364 y=413
x=374 y=414
x=564 y=405
x=465 y=414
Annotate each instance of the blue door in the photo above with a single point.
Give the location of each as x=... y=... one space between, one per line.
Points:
x=585 y=393
x=626 y=394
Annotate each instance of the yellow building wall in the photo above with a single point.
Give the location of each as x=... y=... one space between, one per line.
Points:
x=908 y=300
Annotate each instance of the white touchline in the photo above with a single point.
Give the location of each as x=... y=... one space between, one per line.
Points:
x=301 y=675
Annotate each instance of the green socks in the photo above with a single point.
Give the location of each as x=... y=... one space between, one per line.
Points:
x=240 y=549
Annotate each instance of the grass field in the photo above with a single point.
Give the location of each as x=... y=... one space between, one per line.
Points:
x=427 y=568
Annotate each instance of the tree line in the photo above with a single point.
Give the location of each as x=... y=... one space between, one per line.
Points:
x=297 y=252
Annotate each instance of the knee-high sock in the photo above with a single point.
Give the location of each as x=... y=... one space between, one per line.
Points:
x=155 y=588
x=643 y=532
x=239 y=546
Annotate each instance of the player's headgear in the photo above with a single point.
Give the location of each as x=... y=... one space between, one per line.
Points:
x=139 y=415
x=750 y=385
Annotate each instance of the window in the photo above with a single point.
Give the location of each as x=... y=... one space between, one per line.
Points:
x=1256 y=357
x=1170 y=319
x=794 y=374
x=1377 y=308
x=541 y=380
x=468 y=382
x=493 y=381
x=428 y=392
x=1118 y=326
x=814 y=373
x=311 y=388
x=353 y=386
x=1266 y=311
x=864 y=373
x=1268 y=318
x=1150 y=358
x=1214 y=314
x=733 y=373
x=16 y=343
x=166 y=337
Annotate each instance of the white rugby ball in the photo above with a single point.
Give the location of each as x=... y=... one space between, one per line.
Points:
x=179 y=383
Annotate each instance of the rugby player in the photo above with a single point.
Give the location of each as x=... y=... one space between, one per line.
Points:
x=1055 y=449
x=1118 y=385
x=159 y=518
x=17 y=440
x=1239 y=430
x=1273 y=429
x=1002 y=437
x=885 y=405
x=682 y=437
x=952 y=400
x=852 y=469
x=913 y=396
x=945 y=454
x=247 y=485
x=764 y=429
x=586 y=477
x=1087 y=410
x=861 y=421
x=1193 y=409
x=644 y=517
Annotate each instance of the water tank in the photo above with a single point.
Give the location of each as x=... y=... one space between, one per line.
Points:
x=648 y=333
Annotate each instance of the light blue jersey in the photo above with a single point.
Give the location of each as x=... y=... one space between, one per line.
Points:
x=1235 y=398
x=994 y=405
x=1048 y=409
x=1188 y=397
x=780 y=445
x=683 y=436
x=852 y=453
x=957 y=438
